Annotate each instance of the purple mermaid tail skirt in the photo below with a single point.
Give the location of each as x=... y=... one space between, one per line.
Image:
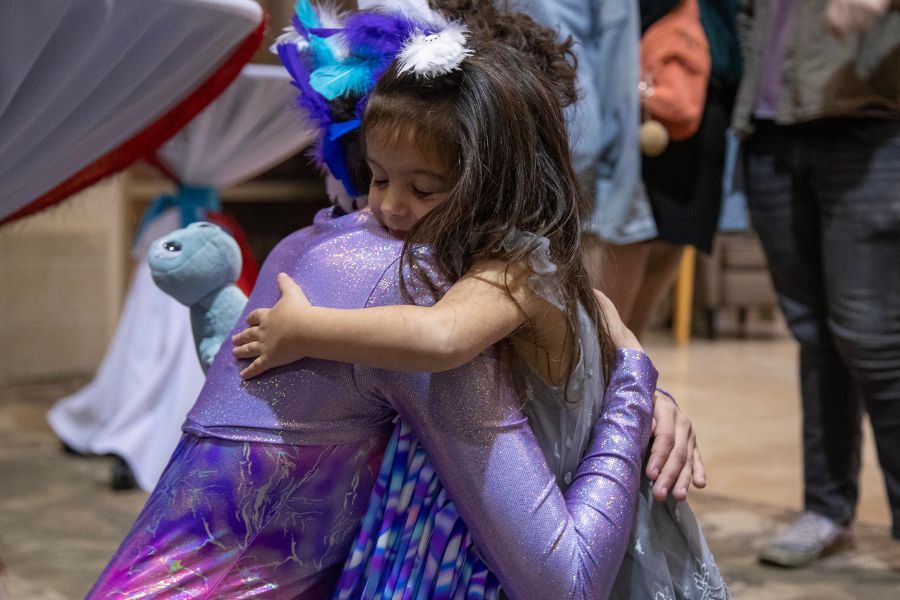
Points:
x=269 y=527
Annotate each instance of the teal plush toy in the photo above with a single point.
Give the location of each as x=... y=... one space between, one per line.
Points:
x=198 y=265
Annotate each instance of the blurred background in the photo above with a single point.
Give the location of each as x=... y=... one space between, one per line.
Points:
x=716 y=335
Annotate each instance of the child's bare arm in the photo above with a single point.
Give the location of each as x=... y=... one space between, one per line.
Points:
x=487 y=304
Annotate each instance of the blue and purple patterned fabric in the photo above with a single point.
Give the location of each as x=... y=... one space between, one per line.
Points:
x=413 y=543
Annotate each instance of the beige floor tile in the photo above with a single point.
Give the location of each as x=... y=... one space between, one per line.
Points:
x=743 y=397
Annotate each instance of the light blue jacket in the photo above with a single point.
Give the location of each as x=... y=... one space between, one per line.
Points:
x=603 y=125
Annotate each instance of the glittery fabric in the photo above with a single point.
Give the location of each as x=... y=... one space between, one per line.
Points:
x=231 y=520
x=539 y=542
x=337 y=262
x=414 y=544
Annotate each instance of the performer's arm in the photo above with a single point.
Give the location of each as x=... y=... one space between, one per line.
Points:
x=540 y=542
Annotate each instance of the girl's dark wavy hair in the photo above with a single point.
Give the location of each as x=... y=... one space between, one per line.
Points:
x=499 y=20
x=498 y=126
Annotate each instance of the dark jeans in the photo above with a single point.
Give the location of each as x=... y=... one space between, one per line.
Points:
x=825 y=200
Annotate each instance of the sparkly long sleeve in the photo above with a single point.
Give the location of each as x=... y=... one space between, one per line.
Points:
x=540 y=542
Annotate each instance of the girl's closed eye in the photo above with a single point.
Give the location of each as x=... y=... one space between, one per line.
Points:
x=378 y=183
x=422 y=194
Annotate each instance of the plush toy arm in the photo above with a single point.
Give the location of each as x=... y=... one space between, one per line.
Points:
x=212 y=325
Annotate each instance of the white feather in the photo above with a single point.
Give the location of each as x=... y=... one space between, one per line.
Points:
x=330 y=14
x=290 y=36
x=436 y=54
x=332 y=17
x=418 y=10
x=339 y=196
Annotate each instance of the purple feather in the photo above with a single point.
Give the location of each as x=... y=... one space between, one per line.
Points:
x=309 y=99
x=316 y=153
x=361 y=106
x=299 y=27
x=372 y=38
x=378 y=35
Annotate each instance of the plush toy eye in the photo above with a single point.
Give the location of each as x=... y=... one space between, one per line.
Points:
x=203 y=225
x=172 y=246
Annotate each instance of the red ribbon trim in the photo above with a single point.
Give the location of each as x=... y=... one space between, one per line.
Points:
x=155 y=135
x=249 y=270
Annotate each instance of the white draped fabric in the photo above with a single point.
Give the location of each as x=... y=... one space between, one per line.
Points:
x=251 y=127
x=150 y=375
x=146 y=383
x=79 y=78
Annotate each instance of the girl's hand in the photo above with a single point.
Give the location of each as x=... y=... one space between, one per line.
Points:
x=620 y=334
x=674 y=462
x=275 y=335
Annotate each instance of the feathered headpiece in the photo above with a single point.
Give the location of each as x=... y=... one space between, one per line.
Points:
x=435 y=54
x=333 y=55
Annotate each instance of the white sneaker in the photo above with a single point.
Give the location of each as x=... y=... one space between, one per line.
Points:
x=808 y=539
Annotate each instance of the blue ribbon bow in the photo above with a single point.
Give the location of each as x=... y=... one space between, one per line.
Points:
x=193 y=201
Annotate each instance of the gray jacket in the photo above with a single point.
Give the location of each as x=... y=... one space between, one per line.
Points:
x=821 y=75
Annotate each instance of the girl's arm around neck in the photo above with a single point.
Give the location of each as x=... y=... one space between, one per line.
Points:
x=487 y=304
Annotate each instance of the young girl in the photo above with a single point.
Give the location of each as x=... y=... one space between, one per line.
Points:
x=266 y=490
x=492 y=300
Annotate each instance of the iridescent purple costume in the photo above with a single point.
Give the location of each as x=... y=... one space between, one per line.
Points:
x=265 y=493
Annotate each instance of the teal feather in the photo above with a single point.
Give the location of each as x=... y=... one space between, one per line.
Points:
x=307 y=14
x=322 y=54
x=349 y=78
x=320 y=50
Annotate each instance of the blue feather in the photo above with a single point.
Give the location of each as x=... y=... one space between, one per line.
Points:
x=307 y=14
x=350 y=78
x=320 y=52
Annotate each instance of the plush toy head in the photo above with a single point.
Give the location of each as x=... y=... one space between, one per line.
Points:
x=190 y=263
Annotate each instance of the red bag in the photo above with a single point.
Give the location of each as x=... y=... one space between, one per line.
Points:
x=675 y=64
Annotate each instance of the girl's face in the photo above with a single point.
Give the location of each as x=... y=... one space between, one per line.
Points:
x=406 y=184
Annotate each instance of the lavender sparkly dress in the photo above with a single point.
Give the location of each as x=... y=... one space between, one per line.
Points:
x=266 y=491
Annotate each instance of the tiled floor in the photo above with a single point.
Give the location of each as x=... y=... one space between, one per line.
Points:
x=59 y=522
x=743 y=396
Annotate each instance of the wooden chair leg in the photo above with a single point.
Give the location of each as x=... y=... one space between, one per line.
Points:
x=684 y=297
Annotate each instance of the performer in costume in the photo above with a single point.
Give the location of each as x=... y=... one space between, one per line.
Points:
x=267 y=488
x=186 y=513
x=412 y=540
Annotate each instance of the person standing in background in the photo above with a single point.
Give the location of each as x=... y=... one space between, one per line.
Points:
x=684 y=183
x=603 y=126
x=819 y=105
x=636 y=233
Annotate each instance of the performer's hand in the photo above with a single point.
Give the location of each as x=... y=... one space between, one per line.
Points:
x=845 y=17
x=274 y=336
x=621 y=336
x=674 y=462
